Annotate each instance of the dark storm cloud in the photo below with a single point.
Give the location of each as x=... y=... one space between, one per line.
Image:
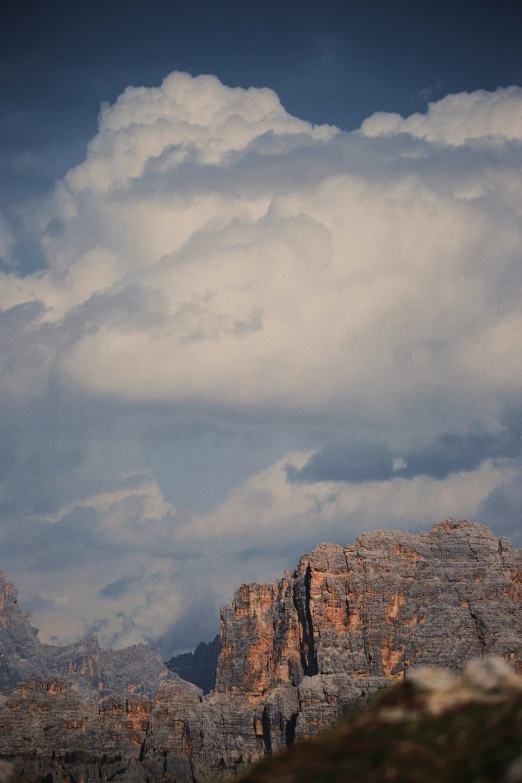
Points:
x=18 y=317
x=81 y=535
x=35 y=465
x=456 y=453
x=52 y=547
x=337 y=531
x=34 y=603
x=45 y=446
x=117 y=589
x=451 y=453
x=264 y=551
x=198 y=622
x=502 y=509
x=345 y=462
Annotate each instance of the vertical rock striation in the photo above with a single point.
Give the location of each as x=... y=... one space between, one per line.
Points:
x=351 y=620
x=372 y=609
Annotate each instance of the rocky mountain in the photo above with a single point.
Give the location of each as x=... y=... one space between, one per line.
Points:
x=389 y=601
x=295 y=656
x=21 y=656
x=200 y=666
x=93 y=672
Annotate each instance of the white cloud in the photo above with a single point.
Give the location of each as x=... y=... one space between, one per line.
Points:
x=185 y=117
x=215 y=262
x=458 y=119
x=268 y=507
x=355 y=291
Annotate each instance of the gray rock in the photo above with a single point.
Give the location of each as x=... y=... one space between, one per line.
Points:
x=21 y=656
x=386 y=603
x=136 y=669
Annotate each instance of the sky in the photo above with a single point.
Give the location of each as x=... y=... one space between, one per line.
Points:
x=260 y=285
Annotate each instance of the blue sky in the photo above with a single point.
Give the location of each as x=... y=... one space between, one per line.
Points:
x=259 y=288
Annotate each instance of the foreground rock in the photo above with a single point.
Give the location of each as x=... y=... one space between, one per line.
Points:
x=432 y=728
x=295 y=656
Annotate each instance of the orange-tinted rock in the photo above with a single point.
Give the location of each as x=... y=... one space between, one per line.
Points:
x=371 y=610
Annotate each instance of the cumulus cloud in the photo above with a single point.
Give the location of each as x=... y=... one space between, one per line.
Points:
x=458 y=119
x=358 y=291
x=335 y=315
x=200 y=119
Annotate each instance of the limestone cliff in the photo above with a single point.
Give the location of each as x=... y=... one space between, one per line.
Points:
x=390 y=601
x=21 y=656
x=295 y=655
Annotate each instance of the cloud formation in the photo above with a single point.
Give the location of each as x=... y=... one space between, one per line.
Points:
x=450 y=453
x=253 y=334
x=339 y=289
x=458 y=119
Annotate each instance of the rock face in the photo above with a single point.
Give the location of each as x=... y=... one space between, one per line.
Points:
x=390 y=601
x=350 y=620
x=136 y=669
x=198 y=667
x=21 y=656
x=295 y=656
x=49 y=717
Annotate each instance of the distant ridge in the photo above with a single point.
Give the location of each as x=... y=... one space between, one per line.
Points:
x=95 y=673
x=198 y=667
